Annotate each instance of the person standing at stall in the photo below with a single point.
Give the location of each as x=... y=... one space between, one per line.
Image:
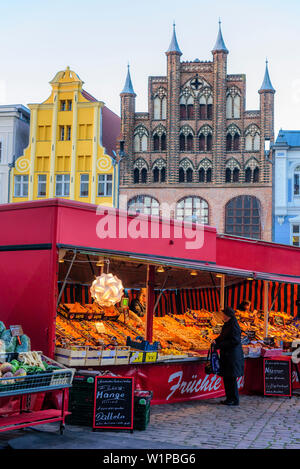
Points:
x=138 y=305
x=231 y=356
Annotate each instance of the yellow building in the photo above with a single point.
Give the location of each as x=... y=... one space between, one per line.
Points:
x=66 y=157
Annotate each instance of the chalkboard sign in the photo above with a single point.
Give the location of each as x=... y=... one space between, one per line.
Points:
x=113 y=402
x=277 y=377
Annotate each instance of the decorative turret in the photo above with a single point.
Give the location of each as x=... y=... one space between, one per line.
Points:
x=266 y=84
x=220 y=53
x=220 y=44
x=128 y=88
x=266 y=93
x=174 y=47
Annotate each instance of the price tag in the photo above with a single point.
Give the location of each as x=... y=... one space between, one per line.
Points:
x=16 y=331
x=136 y=357
x=150 y=356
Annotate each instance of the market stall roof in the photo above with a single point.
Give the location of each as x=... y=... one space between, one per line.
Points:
x=85 y=227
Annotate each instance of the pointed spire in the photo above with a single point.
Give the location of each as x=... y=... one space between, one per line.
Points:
x=174 y=47
x=266 y=84
x=220 y=44
x=128 y=88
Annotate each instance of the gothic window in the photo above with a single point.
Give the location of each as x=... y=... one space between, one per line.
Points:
x=140 y=171
x=205 y=170
x=186 y=170
x=252 y=138
x=233 y=103
x=232 y=171
x=192 y=209
x=205 y=138
x=186 y=106
x=159 y=139
x=160 y=104
x=205 y=104
x=186 y=139
x=143 y=204
x=242 y=217
x=233 y=138
x=252 y=170
x=159 y=170
x=297 y=181
x=140 y=139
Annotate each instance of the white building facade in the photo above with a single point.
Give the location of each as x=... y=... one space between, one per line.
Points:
x=14 y=137
x=286 y=189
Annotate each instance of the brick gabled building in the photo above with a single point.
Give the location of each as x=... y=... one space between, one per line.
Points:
x=198 y=148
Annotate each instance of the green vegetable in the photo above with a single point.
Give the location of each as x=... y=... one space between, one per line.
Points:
x=15 y=364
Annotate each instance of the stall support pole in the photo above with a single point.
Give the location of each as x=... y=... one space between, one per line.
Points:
x=150 y=302
x=266 y=304
x=222 y=293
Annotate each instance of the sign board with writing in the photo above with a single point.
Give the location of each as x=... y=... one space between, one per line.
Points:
x=113 y=402
x=277 y=377
x=16 y=331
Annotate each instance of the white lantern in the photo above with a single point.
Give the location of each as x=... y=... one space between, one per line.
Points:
x=107 y=290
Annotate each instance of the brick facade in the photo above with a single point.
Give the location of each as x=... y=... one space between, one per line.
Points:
x=196 y=82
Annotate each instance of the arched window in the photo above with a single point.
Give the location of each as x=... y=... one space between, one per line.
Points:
x=252 y=138
x=140 y=139
x=232 y=171
x=205 y=170
x=186 y=170
x=160 y=104
x=140 y=171
x=233 y=103
x=159 y=139
x=252 y=170
x=205 y=104
x=242 y=217
x=186 y=139
x=205 y=138
x=233 y=138
x=192 y=209
x=159 y=170
x=143 y=204
x=186 y=106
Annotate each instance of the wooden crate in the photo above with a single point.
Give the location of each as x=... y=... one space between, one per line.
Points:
x=71 y=357
x=122 y=355
x=108 y=357
x=93 y=357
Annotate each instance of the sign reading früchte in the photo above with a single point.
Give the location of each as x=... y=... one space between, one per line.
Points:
x=113 y=402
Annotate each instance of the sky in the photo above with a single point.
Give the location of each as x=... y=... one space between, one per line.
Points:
x=97 y=38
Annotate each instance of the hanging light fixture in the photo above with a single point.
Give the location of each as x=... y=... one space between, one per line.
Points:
x=219 y=275
x=61 y=255
x=193 y=273
x=100 y=262
x=160 y=269
x=107 y=290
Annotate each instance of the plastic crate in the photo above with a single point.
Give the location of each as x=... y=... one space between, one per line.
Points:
x=140 y=344
x=54 y=379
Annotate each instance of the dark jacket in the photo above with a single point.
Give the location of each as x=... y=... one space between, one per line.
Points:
x=231 y=352
x=137 y=307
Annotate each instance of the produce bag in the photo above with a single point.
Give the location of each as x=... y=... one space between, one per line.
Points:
x=2 y=327
x=25 y=344
x=6 y=337
x=11 y=345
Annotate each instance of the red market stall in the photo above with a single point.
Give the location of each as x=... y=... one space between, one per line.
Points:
x=33 y=281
